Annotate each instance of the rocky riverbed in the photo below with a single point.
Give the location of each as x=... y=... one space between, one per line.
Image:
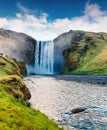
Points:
x=56 y=96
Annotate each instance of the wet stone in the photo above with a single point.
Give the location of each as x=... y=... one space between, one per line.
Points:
x=77 y=110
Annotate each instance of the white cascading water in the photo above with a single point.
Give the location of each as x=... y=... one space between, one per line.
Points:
x=44 y=57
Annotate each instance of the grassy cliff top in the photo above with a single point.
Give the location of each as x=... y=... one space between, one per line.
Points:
x=10 y=66
x=87 y=54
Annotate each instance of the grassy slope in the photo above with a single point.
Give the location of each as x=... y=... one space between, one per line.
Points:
x=14 y=113
x=87 y=54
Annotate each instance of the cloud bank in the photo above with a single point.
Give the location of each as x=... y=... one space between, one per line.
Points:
x=93 y=19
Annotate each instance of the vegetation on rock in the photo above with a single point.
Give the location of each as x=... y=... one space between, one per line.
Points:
x=87 y=54
x=14 y=96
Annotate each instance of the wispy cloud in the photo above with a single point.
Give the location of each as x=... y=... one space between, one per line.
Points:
x=93 y=19
x=22 y=8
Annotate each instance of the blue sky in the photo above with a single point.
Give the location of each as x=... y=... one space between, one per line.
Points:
x=46 y=19
x=55 y=8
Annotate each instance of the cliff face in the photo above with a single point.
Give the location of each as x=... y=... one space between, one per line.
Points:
x=75 y=52
x=9 y=66
x=60 y=44
x=86 y=54
x=17 y=45
x=80 y=52
x=10 y=77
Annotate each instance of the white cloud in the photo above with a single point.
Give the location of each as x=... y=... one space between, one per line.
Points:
x=93 y=19
x=94 y=10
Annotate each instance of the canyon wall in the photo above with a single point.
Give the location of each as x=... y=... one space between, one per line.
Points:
x=61 y=43
x=17 y=45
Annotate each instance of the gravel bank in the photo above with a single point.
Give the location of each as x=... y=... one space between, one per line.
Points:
x=84 y=79
x=56 y=96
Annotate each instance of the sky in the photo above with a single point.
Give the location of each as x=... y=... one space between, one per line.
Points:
x=46 y=19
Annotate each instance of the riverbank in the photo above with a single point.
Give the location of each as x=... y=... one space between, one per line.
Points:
x=57 y=95
x=91 y=79
x=15 y=111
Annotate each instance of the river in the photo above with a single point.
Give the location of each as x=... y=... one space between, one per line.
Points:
x=56 y=96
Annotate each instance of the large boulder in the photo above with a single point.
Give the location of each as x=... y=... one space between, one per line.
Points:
x=17 y=45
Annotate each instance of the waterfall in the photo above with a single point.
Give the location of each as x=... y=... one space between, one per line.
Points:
x=44 y=57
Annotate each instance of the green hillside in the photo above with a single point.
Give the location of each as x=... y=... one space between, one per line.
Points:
x=87 y=54
x=14 y=95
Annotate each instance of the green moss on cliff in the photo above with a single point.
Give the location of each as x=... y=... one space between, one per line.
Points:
x=22 y=67
x=8 y=66
x=14 y=96
x=14 y=113
x=86 y=54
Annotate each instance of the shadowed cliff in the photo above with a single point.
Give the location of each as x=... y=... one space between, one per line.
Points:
x=17 y=45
